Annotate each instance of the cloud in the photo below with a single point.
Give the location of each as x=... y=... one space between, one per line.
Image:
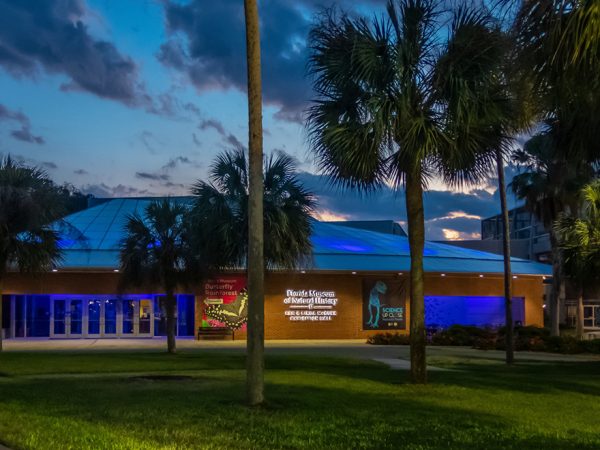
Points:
x=447 y=214
x=196 y=140
x=228 y=138
x=80 y=172
x=214 y=59
x=103 y=190
x=48 y=165
x=150 y=141
x=24 y=133
x=152 y=176
x=180 y=160
x=214 y=124
x=52 y=36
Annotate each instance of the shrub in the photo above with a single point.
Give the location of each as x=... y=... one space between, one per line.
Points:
x=461 y=335
x=592 y=346
x=388 y=339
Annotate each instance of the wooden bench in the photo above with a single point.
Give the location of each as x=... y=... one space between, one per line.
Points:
x=214 y=333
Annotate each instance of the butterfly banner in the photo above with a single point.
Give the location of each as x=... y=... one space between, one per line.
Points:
x=225 y=302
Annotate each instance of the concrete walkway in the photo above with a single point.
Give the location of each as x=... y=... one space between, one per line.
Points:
x=395 y=356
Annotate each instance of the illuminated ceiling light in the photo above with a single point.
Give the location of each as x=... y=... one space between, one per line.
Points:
x=480 y=275
x=115 y=270
x=514 y=276
x=400 y=273
x=303 y=271
x=353 y=273
x=443 y=275
x=54 y=270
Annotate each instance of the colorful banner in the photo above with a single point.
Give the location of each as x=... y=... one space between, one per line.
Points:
x=225 y=302
x=384 y=304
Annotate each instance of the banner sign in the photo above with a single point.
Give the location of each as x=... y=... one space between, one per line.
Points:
x=384 y=303
x=225 y=302
x=309 y=305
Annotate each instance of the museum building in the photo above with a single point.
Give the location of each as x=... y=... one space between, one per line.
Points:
x=356 y=284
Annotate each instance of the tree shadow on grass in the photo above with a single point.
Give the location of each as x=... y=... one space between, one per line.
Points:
x=318 y=413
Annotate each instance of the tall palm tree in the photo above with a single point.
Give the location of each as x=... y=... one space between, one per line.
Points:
x=29 y=202
x=255 y=362
x=221 y=212
x=558 y=50
x=398 y=104
x=157 y=251
x=579 y=242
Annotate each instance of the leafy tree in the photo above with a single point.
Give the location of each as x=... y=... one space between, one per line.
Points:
x=157 y=251
x=402 y=99
x=579 y=242
x=29 y=202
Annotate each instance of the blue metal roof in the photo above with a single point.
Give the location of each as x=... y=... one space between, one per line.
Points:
x=90 y=239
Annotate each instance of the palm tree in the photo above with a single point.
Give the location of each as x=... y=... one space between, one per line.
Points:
x=255 y=362
x=579 y=242
x=157 y=251
x=399 y=104
x=221 y=211
x=550 y=185
x=29 y=202
x=558 y=54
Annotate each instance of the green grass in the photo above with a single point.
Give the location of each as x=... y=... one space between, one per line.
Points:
x=98 y=400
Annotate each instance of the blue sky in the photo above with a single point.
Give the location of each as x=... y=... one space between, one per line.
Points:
x=136 y=97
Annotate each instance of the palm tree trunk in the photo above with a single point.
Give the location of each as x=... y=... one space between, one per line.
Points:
x=416 y=239
x=170 y=305
x=556 y=286
x=579 y=326
x=255 y=362
x=1 y=329
x=510 y=354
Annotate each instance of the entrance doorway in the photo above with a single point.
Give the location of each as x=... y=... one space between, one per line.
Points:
x=101 y=318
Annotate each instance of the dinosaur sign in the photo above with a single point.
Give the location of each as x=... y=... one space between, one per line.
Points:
x=384 y=304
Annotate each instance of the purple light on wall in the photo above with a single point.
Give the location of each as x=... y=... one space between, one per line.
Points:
x=444 y=311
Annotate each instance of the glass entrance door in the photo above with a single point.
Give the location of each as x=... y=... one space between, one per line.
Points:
x=59 y=322
x=75 y=325
x=145 y=322
x=110 y=318
x=94 y=315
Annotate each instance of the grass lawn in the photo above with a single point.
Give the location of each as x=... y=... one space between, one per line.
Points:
x=118 y=400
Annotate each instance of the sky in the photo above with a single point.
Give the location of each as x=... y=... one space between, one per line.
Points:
x=136 y=97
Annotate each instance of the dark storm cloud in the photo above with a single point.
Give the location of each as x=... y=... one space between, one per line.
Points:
x=50 y=34
x=445 y=211
x=24 y=133
x=207 y=42
x=213 y=58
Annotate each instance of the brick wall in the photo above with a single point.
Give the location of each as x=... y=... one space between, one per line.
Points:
x=346 y=325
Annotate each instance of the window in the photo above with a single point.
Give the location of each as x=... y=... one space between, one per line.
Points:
x=591 y=316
